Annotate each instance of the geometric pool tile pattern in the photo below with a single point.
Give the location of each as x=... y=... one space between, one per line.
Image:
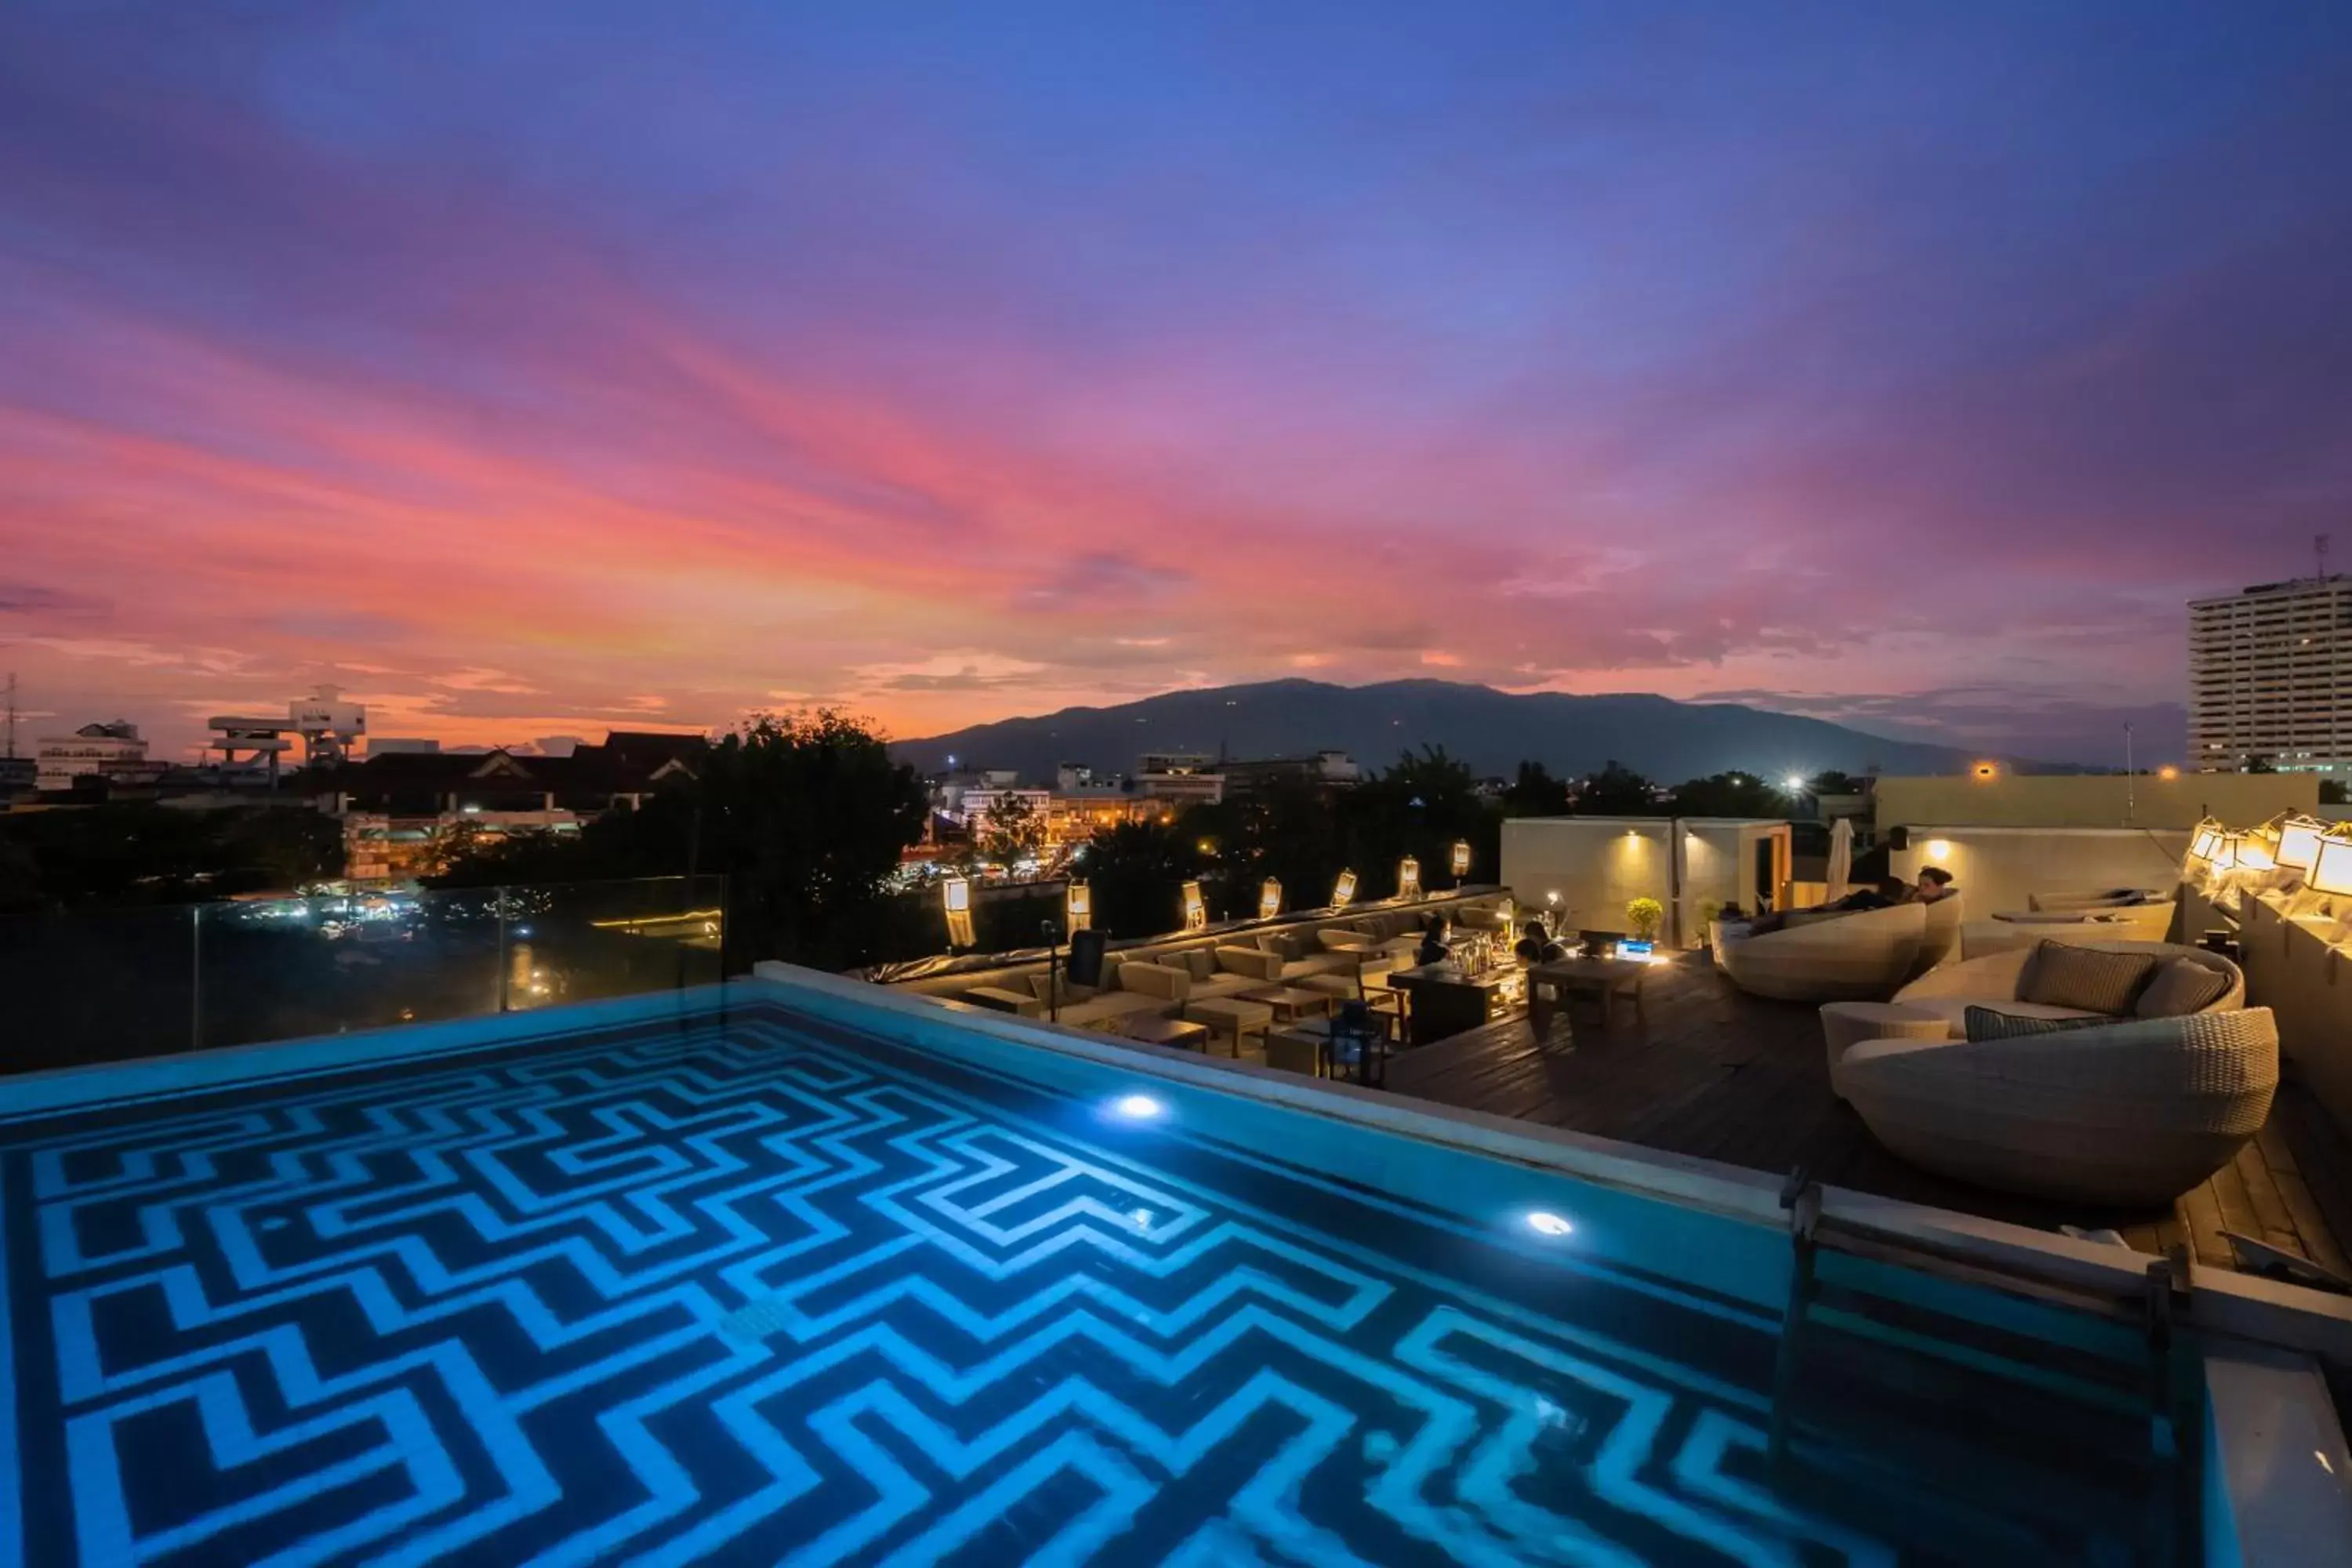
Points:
x=762 y=1291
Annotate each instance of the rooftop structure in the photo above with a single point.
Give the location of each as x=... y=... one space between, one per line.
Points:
x=110 y=751
x=1452 y=1262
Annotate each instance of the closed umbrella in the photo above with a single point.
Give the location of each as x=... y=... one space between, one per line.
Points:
x=1841 y=873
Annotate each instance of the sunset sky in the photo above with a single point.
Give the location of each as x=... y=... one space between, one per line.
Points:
x=529 y=369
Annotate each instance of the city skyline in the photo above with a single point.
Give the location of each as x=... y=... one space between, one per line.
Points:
x=571 y=367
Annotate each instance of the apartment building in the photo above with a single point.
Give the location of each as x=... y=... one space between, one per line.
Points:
x=2269 y=677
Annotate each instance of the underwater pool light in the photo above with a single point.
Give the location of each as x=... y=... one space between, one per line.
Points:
x=1137 y=1107
x=1543 y=1222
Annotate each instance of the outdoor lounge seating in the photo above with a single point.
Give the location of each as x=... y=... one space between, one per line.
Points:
x=1822 y=955
x=2148 y=922
x=2134 y=1112
x=2135 y=1107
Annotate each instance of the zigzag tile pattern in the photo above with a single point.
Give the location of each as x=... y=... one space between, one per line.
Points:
x=749 y=1295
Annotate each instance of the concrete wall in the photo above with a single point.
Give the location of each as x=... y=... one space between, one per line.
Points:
x=2068 y=800
x=1997 y=867
x=2294 y=969
x=1599 y=864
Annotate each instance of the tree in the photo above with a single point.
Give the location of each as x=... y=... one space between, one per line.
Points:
x=2332 y=791
x=1136 y=872
x=144 y=853
x=1534 y=793
x=1423 y=806
x=806 y=815
x=1730 y=795
x=2259 y=764
x=1830 y=781
x=1617 y=791
x=1012 y=831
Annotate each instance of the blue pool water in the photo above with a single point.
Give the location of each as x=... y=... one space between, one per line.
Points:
x=763 y=1288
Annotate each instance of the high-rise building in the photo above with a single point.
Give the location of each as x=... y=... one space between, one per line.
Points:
x=2269 y=677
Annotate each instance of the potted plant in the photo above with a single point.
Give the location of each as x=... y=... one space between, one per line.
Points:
x=1645 y=915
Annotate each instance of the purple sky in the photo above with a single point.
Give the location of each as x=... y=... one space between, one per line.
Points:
x=531 y=368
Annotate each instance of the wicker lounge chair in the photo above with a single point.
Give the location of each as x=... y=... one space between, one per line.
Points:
x=2135 y=1112
x=2132 y=1111
x=1824 y=955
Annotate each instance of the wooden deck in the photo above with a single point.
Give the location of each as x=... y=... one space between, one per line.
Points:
x=1723 y=1076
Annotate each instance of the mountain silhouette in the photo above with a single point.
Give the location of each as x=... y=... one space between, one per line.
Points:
x=1492 y=730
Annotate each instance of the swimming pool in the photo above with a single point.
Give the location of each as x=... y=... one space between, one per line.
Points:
x=762 y=1284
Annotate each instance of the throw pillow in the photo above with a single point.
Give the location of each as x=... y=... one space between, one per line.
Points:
x=2085 y=978
x=1201 y=961
x=1989 y=1024
x=2182 y=987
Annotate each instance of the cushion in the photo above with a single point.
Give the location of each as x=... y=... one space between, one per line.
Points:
x=2180 y=988
x=1989 y=1024
x=1199 y=961
x=1069 y=992
x=1249 y=960
x=2058 y=975
x=1954 y=1010
x=1155 y=980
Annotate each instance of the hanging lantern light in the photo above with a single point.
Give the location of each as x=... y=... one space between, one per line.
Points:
x=2331 y=865
x=1461 y=858
x=1196 y=909
x=1408 y=878
x=1269 y=898
x=955 y=896
x=1343 y=891
x=1078 y=907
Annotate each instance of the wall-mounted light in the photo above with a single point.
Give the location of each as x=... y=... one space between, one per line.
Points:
x=2331 y=866
x=1940 y=849
x=955 y=897
x=1408 y=878
x=1196 y=909
x=1078 y=907
x=1343 y=891
x=1269 y=898
x=1984 y=772
x=2168 y=773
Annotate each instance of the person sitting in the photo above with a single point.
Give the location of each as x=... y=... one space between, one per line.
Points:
x=1935 y=883
x=1536 y=946
x=1435 y=945
x=1890 y=892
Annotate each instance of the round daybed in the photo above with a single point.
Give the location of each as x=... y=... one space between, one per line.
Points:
x=2150 y=921
x=2132 y=1111
x=1824 y=955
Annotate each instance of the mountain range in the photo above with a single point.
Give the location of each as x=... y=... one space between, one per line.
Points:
x=1492 y=730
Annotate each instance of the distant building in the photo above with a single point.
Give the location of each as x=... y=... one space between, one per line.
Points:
x=327 y=726
x=398 y=808
x=388 y=745
x=1330 y=768
x=1187 y=778
x=112 y=751
x=2270 y=678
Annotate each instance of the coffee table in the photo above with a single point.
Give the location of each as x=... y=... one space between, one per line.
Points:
x=1181 y=1032
x=1290 y=1001
x=1606 y=977
x=1230 y=1015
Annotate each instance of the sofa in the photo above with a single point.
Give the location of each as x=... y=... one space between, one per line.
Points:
x=2147 y=921
x=2132 y=1108
x=1824 y=956
x=2001 y=980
